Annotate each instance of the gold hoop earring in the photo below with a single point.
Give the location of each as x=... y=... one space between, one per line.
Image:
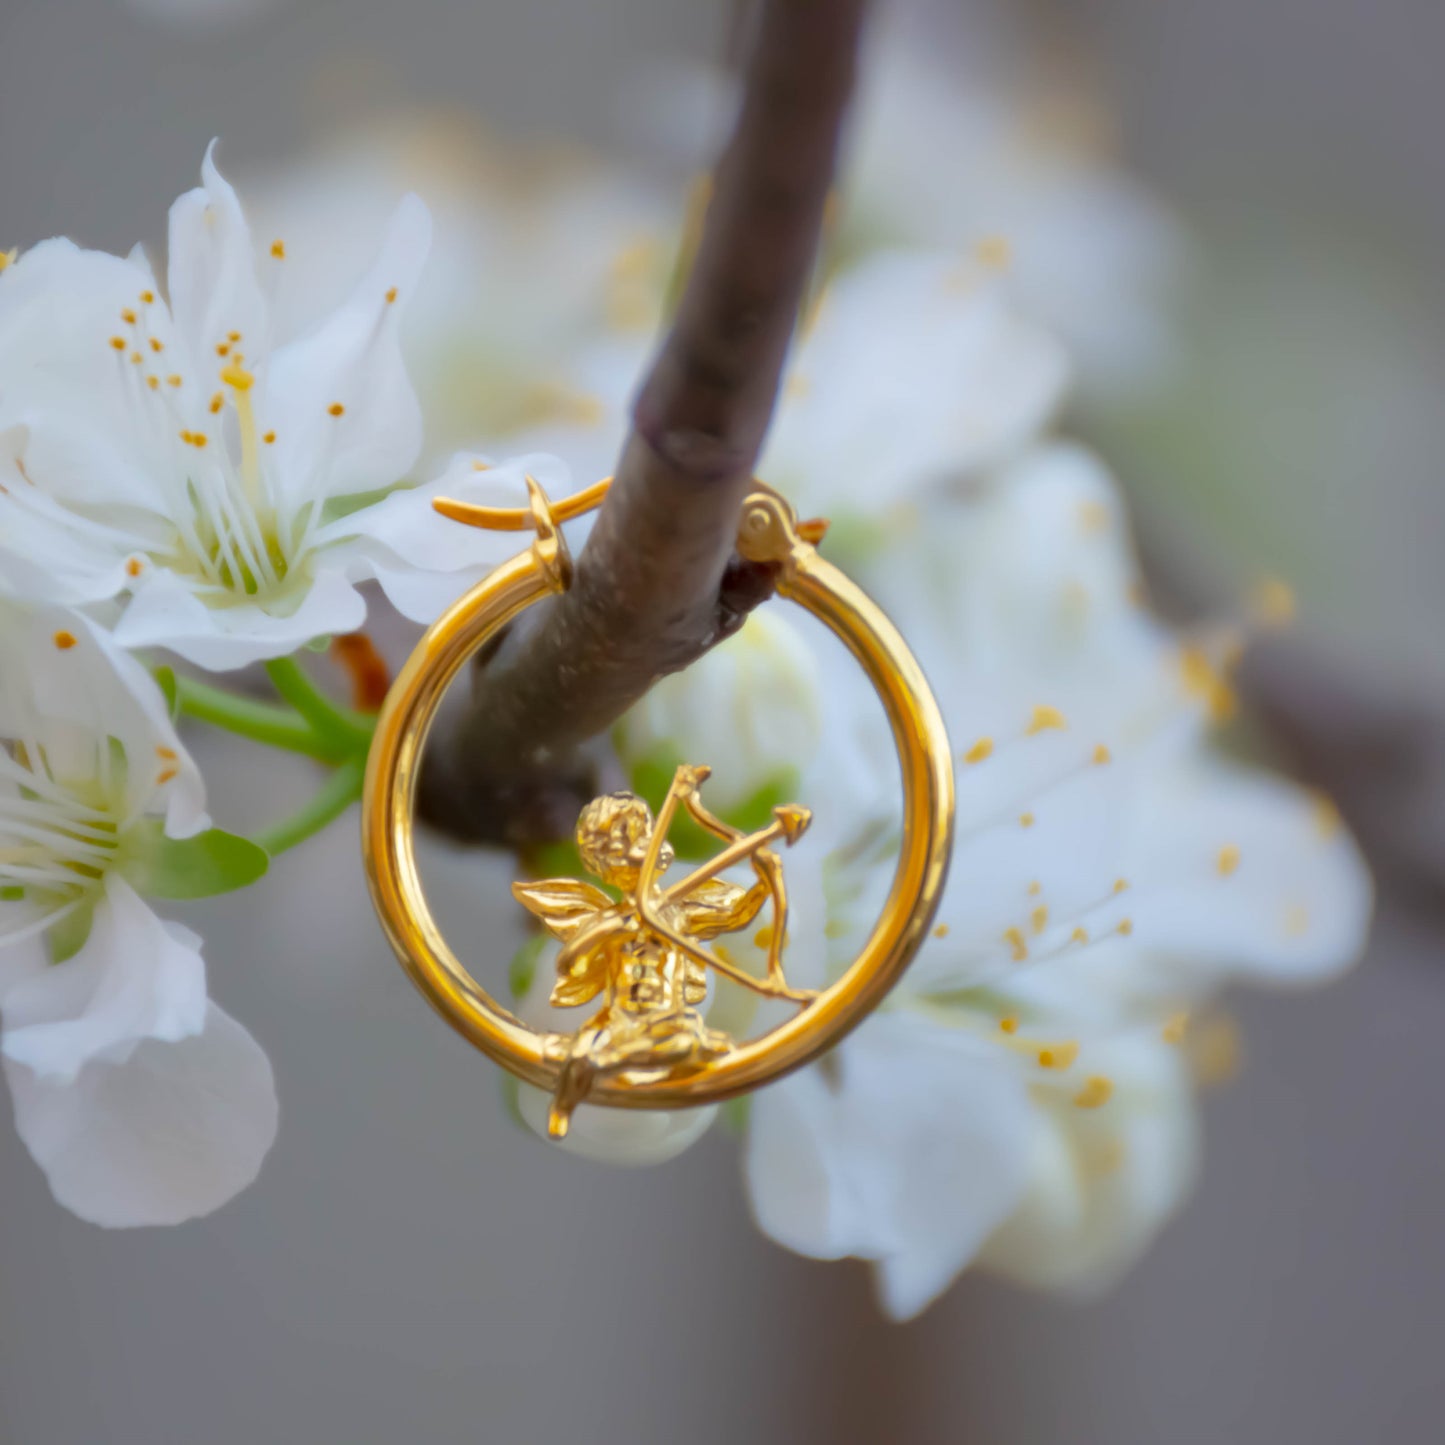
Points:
x=645 y=956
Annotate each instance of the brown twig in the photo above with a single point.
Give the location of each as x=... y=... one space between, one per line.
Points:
x=658 y=584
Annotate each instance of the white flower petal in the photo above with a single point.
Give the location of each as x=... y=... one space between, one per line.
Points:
x=214 y=292
x=166 y=613
x=136 y=978
x=1240 y=874
x=79 y=678
x=353 y=360
x=171 y=1134
x=908 y=1148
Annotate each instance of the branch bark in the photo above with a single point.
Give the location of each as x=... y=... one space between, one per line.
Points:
x=657 y=583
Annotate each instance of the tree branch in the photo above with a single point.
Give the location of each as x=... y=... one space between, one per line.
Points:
x=657 y=583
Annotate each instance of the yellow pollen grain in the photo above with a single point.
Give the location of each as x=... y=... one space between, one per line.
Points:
x=186 y=437
x=1009 y=1025
x=64 y=640
x=1039 y=918
x=1058 y=1056
x=223 y=348
x=1121 y=885
x=278 y=250
x=982 y=749
x=1026 y=820
x=1035 y=888
x=157 y=346
x=134 y=567
x=1273 y=603
x=173 y=380
x=118 y=342
x=391 y=296
x=1080 y=935
x=166 y=755
x=148 y=298
x=269 y=438
x=1174 y=1028
x=481 y=466
x=217 y=402
x=136 y=358
x=1326 y=816
x=165 y=775
x=1101 y=756
x=940 y=930
x=1228 y=860
x=1045 y=718
x=336 y=409
x=995 y=252
x=154 y=382
x=1015 y=939
x=1125 y=928
x=233 y=337
x=128 y=316
x=1097 y=1092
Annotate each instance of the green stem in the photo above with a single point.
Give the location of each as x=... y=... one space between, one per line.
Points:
x=263 y=722
x=327 y=804
x=347 y=729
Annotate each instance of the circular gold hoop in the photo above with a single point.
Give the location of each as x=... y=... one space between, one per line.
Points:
x=771 y=533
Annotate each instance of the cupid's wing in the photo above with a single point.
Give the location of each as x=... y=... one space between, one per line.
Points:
x=716 y=907
x=565 y=905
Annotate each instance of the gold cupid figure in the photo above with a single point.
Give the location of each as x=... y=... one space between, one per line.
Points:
x=643 y=954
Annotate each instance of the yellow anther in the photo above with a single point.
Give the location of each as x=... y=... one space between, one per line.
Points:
x=995 y=252
x=235 y=375
x=64 y=640
x=1039 y=918
x=1228 y=860
x=481 y=466
x=1026 y=820
x=1015 y=939
x=940 y=930
x=148 y=298
x=1326 y=815
x=166 y=755
x=128 y=316
x=278 y=250
x=1035 y=888
x=134 y=567
x=1045 y=718
x=233 y=337
x=186 y=437
x=1174 y=1028
x=8 y=258
x=217 y=402
x=1080 y=935
x=1009 y=1025
x=1101 y=755
x=982 y=749
x=1215 y=1050
x=1121 y=885
x=1273 y=603
x=223 y=348
x=153 y=382
x=136 y=358
x=269 y=438
x=391 y=296
x=1207 y=683
x=165 y=775
x=157 y=346
x=1097 y=1092
x=173 y=380
x=1125 y=928
x=1058 y=1056
x=336 y=409
x=764 y=936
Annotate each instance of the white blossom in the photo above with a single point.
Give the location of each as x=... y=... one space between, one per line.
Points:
x=174 y=456
x=142 y=1101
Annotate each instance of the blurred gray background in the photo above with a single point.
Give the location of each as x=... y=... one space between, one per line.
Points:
x=410 y=1266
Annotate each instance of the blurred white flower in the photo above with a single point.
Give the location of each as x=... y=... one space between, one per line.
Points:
x=173 y=456
x=141 y=1101
x=1019 y=1104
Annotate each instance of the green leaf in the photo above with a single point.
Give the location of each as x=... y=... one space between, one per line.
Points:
x=166 y=678
x=212 y=862
x=68 y=936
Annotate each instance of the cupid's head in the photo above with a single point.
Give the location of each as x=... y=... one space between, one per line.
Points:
x=613 y=834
